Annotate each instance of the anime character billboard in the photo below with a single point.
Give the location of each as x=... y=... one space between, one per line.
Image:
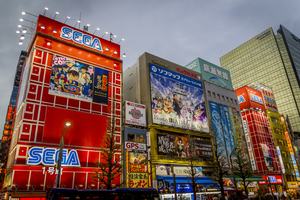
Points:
x=177 y=100
x=73 y=79
x=173 y=145
x=70 y=78
x=222 y=128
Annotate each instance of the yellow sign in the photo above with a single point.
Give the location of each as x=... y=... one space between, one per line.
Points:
x=138 y=180
x=292 y=184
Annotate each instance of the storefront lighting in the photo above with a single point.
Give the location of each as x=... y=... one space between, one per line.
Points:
x=54 y=31
x=42 y=27
x=48 y=43
x=115 y=52
x=107 y=49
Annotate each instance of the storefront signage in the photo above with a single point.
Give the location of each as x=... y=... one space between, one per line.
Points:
x=135 y=146
x=276 y=179
x=49 y=157
x=138 y=180
x=164 y=170
x=80 y=38
x=292 y=184
x=135 y=114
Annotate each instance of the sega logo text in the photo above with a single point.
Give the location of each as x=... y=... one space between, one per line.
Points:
x=80 y=38
x=49 y=157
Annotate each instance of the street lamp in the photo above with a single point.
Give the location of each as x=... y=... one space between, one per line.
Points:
x=61 y=146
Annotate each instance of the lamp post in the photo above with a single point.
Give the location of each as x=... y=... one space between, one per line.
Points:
x=61 y=146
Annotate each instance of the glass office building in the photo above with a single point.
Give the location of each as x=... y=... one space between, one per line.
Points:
x=272 y=59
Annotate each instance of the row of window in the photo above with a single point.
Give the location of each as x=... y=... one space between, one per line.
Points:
x=222 y=97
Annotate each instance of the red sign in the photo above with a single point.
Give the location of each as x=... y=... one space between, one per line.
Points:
x=250 y=98
x=271 y=179
x=77 y=37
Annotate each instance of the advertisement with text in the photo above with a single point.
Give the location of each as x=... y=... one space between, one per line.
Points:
x=177 y=100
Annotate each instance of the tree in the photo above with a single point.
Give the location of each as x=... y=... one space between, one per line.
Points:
x=241 y=168
x=109 y=169
x=221 y=165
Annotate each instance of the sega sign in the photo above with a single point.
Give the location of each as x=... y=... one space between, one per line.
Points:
x=80 y=38
x=49 y=157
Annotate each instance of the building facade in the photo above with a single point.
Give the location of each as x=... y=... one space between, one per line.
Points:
x=70 y=88
x=179 y=137
x=10 y=115
x=224 y=110
x=259 y=136
x=270 y=59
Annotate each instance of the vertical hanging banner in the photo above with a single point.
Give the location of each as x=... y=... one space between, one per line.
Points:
x=100 y=86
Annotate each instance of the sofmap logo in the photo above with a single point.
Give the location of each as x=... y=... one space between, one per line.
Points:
x=49 y=157
x=80 y=38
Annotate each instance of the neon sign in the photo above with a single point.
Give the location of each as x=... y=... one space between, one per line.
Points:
x=49 y=157
x=80 y=38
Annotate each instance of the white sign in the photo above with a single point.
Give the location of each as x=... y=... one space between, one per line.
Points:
x=280 y=159
x=135 y=114
x=163 y=170
x=135 y=146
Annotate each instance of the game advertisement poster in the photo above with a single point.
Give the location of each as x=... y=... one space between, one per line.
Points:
x=177 y=100
x=72 y=79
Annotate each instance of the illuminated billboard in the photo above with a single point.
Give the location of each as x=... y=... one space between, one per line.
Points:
x=250 y=98
x=177 y=100
x=135 y=113
x=73 y=79
x=222 y=128
x=184 y=146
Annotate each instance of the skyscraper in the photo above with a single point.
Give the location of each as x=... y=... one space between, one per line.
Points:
x=272 y=59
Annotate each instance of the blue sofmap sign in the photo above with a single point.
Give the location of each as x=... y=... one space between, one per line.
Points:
x=49 y=157
x=80 y=38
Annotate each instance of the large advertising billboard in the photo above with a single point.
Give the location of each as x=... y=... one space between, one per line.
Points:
x=177 y=100
x=73 y=79
x=222 y=128
x=183 y=146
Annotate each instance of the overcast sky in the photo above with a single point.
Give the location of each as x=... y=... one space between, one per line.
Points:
x=177 y=30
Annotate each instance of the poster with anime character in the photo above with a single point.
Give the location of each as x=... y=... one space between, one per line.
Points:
x=100 y=86
x=72 y=79
x=177 y=100
x=173 y=145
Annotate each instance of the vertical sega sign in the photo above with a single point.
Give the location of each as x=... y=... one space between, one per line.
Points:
x=49 y=157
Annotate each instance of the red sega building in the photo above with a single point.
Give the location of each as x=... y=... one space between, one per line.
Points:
x=70 y=76
x=265 y=161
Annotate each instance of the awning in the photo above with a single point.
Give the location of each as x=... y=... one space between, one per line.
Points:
x=179 y=179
